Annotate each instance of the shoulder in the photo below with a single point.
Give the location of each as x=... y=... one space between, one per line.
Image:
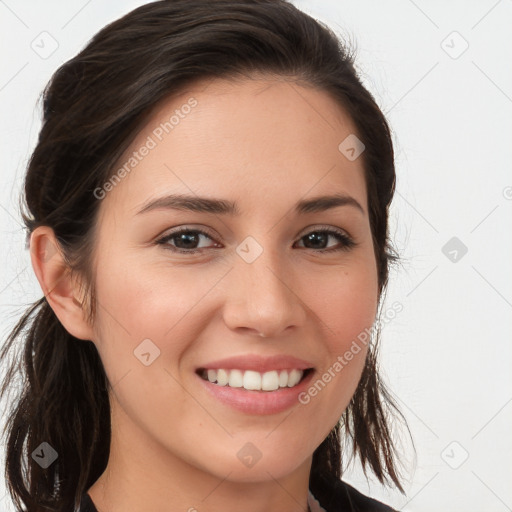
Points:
x=336 y=495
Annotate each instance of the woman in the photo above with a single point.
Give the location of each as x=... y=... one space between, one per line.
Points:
x=207 y=214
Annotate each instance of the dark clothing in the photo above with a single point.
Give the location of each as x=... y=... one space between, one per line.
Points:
x=333 y=496
x=337 y=496
x=86 y=505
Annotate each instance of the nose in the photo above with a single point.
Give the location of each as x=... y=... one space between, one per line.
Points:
x=263 y=297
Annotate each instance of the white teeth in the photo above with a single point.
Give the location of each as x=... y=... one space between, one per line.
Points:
x=236 y=379
x=270 y=381
x=294 y=377
x=222 y=377
x=255 y=381
x=252 y=380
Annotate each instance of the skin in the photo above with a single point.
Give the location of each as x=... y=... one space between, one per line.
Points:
x=265 y=143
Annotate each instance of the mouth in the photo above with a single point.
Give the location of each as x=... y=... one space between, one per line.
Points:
x=250 y=380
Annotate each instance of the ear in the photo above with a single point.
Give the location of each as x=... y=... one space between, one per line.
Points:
x=60 y=290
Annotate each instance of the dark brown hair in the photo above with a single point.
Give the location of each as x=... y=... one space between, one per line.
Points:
x=93 y=107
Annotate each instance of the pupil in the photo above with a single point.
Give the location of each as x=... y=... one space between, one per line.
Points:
x=187 y=238
x=318 y=237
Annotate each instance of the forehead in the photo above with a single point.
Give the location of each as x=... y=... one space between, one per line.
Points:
x=261 y=140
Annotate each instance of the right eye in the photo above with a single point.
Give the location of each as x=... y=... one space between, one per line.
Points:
x=185 y=239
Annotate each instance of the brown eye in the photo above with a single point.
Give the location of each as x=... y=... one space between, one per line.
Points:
x=320 y=237
x=184 y=240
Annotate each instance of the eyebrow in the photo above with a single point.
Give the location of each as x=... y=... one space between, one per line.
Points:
x=225 y=207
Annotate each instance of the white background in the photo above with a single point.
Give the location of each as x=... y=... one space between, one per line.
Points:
x=447 y=355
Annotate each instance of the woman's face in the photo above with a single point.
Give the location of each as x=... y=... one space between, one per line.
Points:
x=172 y=306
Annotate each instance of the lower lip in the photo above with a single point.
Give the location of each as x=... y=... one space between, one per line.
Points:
x=258 y=402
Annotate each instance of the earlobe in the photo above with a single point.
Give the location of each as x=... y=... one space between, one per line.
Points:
x=55 y=279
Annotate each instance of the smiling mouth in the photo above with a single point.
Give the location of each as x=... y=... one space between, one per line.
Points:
x=254 y=381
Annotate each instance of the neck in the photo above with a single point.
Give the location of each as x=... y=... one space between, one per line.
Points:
x=144 y=476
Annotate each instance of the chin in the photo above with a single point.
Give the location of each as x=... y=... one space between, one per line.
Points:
x=273 y=466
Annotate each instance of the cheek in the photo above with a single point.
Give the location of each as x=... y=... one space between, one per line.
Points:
x=348 y=348
x=346 y=301
x=145 y=324
x=140 y=302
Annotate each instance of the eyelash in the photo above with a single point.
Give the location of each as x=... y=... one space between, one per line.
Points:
x=346 y=241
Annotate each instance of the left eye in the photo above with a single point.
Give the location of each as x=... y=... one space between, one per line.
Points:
x=322 y=235
x=185 y=240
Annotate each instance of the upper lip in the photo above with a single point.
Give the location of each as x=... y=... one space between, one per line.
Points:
x=258 y=363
